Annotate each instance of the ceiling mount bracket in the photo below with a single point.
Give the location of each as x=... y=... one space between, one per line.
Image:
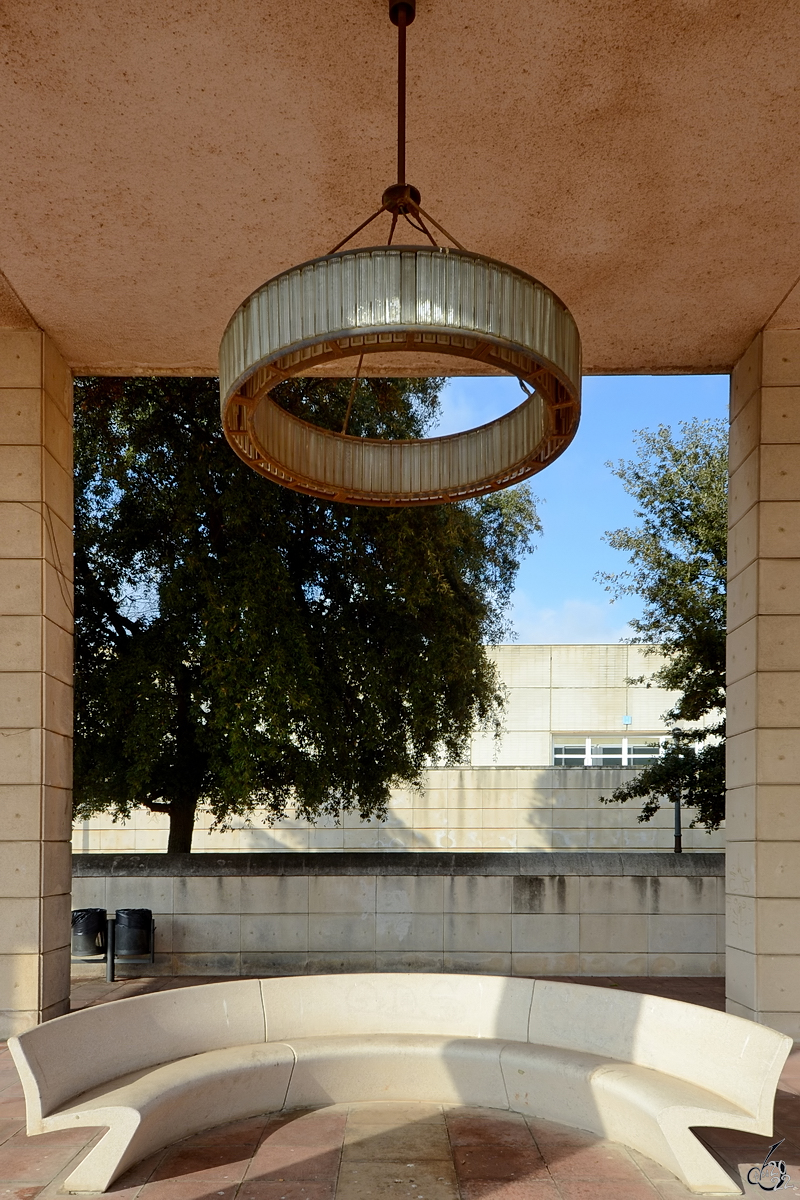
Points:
x=409 y=7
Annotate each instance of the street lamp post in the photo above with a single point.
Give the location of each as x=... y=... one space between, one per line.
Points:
x=676 y=733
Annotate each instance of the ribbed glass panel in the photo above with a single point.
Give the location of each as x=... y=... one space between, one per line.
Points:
x=374 y=289
x=505 y=305
x=283 y=311
x=423 y=288
x=252 y=340
x=380 y=295
x=520 y=295
x=481 y=296
x=394 y=305
x=408 y=288
x=349 y=320
x=308 y=302
x=438 y=290
x=333 y=315
x=295 y=309
x=322 y=316
x=431 y=467
x=495 y=298
x=548 y=346
x=452 y=310
x=263 y=322
x=468 y=272
x=364 y=290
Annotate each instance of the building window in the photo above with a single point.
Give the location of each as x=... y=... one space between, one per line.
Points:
x=608 y=752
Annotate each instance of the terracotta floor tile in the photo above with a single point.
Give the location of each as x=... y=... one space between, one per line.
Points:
x=790 y=1076
x=388 y=1112
x=413 y=1143
x=289 y=1189
x=306 y=1129
x=9 y=1128
x=673 y=1189
x=549 y=1133
x=185 y=1189
x=740 y=1170
x=462 y=1111
x=55 y=1190
x=214 y=1164
x=60 y=1138
x=601 y=1161
x=293 y=1162
x=139 y=1173
x=244 y=1133
x=653 y=1170
x=736 y=1149
x=12 y=1110
x=788 y=1104
x=128 y=1193
x=499 y=1162
x=18 y=1192
x=508 y=1189
x=478 y=1131
x=27 y=1162
x=607 y=1189
x=396 y=1181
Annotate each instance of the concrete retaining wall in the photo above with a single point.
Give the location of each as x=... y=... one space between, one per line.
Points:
x=520 y=914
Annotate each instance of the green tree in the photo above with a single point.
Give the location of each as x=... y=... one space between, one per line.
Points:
x=678 y=557
x=244 y=648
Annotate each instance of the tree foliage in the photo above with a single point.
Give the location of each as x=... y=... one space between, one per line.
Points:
x=678 y=557
x=242 y=647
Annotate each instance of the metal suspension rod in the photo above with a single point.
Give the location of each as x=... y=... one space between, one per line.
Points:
x=402 y=18
x=352 y=395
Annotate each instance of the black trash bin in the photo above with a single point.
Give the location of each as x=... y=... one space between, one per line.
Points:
x=133 y=931
x=88 y=931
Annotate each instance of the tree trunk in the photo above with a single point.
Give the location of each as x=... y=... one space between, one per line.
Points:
x=181 y=824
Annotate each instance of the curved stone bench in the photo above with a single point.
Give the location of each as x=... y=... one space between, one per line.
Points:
x=636 y=1069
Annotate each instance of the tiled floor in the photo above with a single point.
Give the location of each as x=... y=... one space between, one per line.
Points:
x=385 y=1151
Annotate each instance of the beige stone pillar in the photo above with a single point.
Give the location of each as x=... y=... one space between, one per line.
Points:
x=763 y=820
x=35 y=679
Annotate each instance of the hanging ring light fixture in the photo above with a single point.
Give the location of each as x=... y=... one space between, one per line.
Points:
x=435 y=299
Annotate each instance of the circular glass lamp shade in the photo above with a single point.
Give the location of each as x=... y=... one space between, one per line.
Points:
x=400 y=299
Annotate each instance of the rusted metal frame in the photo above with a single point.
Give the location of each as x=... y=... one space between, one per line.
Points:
x=358 y=229
x=352 y=394
x=422 y=228
x=441 y=229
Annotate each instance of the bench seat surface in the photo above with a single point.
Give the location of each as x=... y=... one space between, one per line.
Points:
x=637 y=1069
x=147 y=1109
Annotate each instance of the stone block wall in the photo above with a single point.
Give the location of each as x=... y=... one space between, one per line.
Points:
x=469 y=808
x=521 y=914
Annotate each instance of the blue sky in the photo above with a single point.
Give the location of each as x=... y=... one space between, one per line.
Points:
x=557 y=598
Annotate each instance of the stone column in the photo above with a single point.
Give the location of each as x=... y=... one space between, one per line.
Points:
x=763 y=821
x=35 y=679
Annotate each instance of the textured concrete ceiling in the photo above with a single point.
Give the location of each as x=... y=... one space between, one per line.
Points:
x=159 y=161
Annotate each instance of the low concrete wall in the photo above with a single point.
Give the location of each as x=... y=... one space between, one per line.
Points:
x=519 y=914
